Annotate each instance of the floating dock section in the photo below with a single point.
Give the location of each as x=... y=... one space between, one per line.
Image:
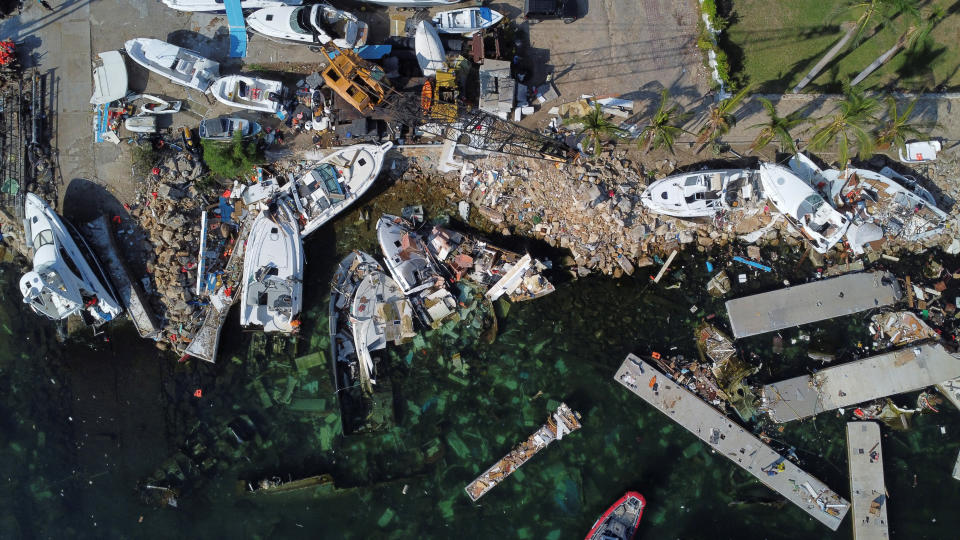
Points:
x=867 y=489
x=100 y=234
x=896 y=372
x=951 y=390
x=562 y=422
x=811 y=302
x=732 y=441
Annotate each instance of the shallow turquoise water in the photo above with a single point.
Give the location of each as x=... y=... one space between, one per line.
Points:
x=83 y=423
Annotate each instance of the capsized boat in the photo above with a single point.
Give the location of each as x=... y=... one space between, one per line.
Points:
x=224 y=127
x=866 y=197
x=182 y=66
x=217 y=5
x=501 y=271
x=429 y=49
x=335 y=183
x=66 y=278
x=821 y=224
x=379 y=314
x=250 y=93
x=319 y=23
x=620 y=521
x=272 y=292
x=701 y=193
x=109 y=79
x=466 y=21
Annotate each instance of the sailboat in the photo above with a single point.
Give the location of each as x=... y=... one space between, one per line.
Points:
x=273 y=272
x=66 y=278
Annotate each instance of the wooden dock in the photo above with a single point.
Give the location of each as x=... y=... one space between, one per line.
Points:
x=869 y=493
x=904 y=370
x=811 y=302
x=732 y=441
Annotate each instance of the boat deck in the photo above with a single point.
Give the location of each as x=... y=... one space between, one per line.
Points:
x=732 y=441
x=129 y=292
x=896 y=372
x=811 y=302
x=867 y=489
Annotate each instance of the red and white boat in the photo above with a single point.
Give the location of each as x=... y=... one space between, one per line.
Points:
x=620 y=521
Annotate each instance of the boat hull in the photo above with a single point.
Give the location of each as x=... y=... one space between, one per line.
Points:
x=272 y=293
x=214 y=6
x=621 y=519
x=429 y=49
x=181 y=66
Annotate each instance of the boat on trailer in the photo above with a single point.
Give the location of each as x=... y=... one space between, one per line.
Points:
x=272 y=293
x=66 y=278
x=621 y=520
x=251 y=93
x=701 y=193
x=334 y=183
x=466 y=21
x=182 y=66
x=219 y=5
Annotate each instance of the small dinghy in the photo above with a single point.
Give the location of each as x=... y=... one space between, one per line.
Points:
x=316 y=24
x=429 y=49
x=466 y=21
x=249 y=93
x=272 y=273
x=182 y=66
x=700 y=193
x=620 y=521
x=66 y=278
x=217 y=5
x=223 y=128
x=154 y=105
x=822 y=225
x=335 y=183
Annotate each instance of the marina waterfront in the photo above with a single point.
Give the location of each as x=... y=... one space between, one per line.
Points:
x=87 y=422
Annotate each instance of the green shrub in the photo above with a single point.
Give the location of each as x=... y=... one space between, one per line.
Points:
x=232 y=159
x=144 y=159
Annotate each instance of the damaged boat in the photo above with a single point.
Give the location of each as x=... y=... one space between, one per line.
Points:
x=621 y=520
x=379 y=314
x=335 y=183
x=318 y=24
x=182 y=66
x=218 y=5
x=249 y=93
x=223 y=128
x=701 y=193
x=66 y=278
x=820 y=223
x=273 y=273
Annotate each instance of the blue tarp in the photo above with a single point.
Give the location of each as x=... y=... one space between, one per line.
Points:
x=373 y=52
x=238 y=29
x=226 y=210
x=100 y=121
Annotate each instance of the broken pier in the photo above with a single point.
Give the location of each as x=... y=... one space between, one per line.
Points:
x=867 y=490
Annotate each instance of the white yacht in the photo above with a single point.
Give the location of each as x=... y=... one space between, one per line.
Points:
x=821 y=224
x=316 y=24
x=413 y=3
x=272 y=292
x=182 y=66
x=701 y=193
x=218 y=5
x=335 y=183
x=66 y=278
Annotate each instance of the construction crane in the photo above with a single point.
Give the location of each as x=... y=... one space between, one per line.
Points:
x=364 y=86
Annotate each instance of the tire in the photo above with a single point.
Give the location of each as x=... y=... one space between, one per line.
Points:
x=569 y=20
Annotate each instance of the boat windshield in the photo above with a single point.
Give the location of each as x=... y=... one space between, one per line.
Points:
x=810 y=205
x=327 y=175
x=300 y=21
x=42 y=238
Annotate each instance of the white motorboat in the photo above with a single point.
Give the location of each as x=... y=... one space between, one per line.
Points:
x=250 y=93
x=701 y=193
x=319 y=23
x=182 y=66
x=429 y=49
x=822 y=225
x=413 y=3
x=66 y=278
x=343 y=353
x=379 y=314
x=335 y=183
x=866 y=196
x=223 y=128
x=272 y=273
x=218 y=5
x=466 y=21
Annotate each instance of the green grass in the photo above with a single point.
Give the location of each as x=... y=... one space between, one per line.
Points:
x=231 y=159
x=773 y=43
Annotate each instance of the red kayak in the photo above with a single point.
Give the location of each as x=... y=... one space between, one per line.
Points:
x=620 y=521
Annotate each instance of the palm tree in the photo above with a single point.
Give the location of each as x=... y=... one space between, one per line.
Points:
x=887 y=10
x=848 y=126
x=910 y=39
x=720 y=119
x=777 y=128
x=662 y=131
x=597 y=128
x=896 y=129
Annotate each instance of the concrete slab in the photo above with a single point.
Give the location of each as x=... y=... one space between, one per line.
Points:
x=732 y=441
x=867 y=489
x=891 y=373
x=811 y=302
